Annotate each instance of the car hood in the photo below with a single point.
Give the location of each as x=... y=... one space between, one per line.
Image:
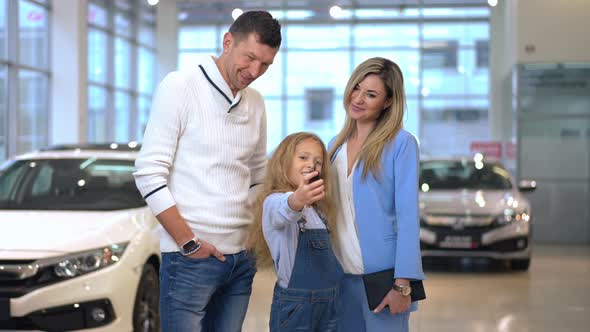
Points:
x=41 y=234
x=469 y=202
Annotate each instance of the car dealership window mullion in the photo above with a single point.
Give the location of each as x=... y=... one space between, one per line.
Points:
x=115 y=102
x=24 y=76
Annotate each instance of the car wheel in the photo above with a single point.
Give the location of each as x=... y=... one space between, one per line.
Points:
x=146 y=312
x=520 y=264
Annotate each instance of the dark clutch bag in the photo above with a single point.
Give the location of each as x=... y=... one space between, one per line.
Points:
x=378 y=284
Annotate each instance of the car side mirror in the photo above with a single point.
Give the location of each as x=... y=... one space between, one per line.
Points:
x=527 y=185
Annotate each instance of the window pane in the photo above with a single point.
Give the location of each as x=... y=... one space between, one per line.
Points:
x=33 y=35
x=97 y=15
x=32 y=112
x=466 y=34
x=271 y=83
x=123 y=5
x=408 y=61
x=122 y=24
x=97 y=56
x=324 y=36
x=146 y=70
x=386 y=35
x=274 y=120
x=122 y=63
x=3 y=114
x=463 y=78
x=3 y=29
x=450 y=125
x=147 y=14
x=122 y=111
x=456 y=12
x=412 y=116
x=298 y=119
x=386 y=13
x=97 y=114
x=191 y=59
x=143 y=113
x=147 y=35
x=329 y=69
x=198 y=37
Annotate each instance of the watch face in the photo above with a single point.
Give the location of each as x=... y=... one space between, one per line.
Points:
x=187 y=246
x=406 y=290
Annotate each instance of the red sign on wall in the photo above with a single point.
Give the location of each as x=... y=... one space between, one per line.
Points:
x=489 y=149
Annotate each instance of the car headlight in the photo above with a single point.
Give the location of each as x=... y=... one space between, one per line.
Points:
x=56 y=269
x=511 y=215
x=81 y=263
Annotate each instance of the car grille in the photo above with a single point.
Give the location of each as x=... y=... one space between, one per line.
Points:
x=20 y=277
x=457 y=221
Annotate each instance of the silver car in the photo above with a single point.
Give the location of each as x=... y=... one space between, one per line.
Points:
x=472 y=208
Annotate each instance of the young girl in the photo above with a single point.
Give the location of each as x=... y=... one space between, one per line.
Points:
x=294 y=218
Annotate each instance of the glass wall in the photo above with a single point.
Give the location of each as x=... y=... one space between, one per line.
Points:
x=443 y=53
x=121 y=69
x=24 y=76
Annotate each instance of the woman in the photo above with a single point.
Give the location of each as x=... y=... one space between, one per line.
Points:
x=376 y=177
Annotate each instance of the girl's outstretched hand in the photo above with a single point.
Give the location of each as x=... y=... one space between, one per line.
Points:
x=307 y=193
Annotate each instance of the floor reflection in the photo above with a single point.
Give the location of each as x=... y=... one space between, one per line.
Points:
x=478 y=295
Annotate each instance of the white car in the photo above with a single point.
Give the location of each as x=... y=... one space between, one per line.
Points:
x=472 y=208
x=79 y=248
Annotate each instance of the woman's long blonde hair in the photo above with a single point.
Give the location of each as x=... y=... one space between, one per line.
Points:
x=389 y=122
x=276 y=181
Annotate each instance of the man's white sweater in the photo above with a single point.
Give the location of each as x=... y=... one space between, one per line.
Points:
x=202 y=151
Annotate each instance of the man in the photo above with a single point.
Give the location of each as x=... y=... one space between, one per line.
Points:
x=203 y=150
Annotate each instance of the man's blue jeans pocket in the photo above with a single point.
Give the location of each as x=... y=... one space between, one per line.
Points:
x=205 y=294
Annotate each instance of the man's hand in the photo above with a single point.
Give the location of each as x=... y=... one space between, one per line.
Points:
x=207 y=250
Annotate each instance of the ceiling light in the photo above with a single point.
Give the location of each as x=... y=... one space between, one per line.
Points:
x=335 y=11
x=236 y=13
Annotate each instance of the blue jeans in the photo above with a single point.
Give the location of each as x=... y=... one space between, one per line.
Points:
x=205 y=294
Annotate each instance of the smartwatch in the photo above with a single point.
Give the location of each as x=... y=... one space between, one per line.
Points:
x=190 y=247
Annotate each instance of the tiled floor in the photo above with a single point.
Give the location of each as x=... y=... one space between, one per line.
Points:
x=463 y=296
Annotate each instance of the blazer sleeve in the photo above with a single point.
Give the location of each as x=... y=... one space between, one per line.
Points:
x=408 y=260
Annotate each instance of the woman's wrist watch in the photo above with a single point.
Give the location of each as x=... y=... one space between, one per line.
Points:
x=404 y=290
x=190 y=247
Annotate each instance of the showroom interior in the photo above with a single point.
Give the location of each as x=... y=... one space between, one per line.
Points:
x=503 y=80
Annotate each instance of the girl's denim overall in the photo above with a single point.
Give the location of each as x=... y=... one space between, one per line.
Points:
x=310 y=302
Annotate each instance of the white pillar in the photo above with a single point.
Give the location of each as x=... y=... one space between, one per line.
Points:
x=69 y=100
x=167 y=37
x=503 y=49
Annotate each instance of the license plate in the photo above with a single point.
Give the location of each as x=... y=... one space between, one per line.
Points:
x=458 y=241
x=4 y=309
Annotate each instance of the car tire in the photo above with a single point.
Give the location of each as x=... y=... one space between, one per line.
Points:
x=520 y=264
x=146 y=311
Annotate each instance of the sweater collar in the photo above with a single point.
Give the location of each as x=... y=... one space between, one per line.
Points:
x=212 y=74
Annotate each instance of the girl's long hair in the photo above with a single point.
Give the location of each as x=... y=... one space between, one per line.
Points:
x=277 y=181
x=389 y=122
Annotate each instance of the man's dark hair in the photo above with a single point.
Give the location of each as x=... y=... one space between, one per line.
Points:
x=267 y=29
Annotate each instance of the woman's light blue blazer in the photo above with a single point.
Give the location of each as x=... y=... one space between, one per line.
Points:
x=387 y=212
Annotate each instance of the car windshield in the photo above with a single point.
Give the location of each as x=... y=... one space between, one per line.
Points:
x=463 y=174
x=68 y=184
